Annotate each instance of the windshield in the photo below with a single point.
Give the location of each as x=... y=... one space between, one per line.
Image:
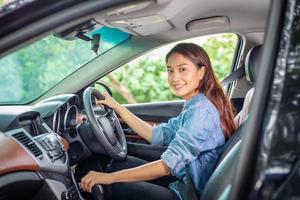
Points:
x=31 y=71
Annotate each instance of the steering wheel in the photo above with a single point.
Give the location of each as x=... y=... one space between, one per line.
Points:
x=105 y=125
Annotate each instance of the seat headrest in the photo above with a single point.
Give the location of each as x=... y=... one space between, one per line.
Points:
x=252 y=63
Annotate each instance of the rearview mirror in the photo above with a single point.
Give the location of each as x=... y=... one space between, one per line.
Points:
x=95 y=42
x=82 y=31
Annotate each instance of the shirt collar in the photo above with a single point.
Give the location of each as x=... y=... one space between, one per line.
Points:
x=193 y=100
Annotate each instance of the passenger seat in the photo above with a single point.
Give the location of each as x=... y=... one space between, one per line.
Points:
x=251 y=63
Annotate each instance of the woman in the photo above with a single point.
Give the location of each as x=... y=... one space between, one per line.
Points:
x=194 y=138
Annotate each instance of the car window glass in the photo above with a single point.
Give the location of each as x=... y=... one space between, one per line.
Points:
x=145 y=78
x=33 y=70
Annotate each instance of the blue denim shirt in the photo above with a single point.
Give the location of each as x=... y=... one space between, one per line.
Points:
x=195 y=140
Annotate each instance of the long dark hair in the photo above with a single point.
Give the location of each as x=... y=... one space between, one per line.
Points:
x=209 y=85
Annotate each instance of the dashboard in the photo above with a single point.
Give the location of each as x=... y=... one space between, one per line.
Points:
x=59 y=112
x=35 y=141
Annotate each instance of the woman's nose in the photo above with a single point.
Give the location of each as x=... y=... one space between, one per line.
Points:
x=175 y=76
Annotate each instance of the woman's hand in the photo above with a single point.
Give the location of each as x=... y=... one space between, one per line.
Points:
x=142 y=128
x=93 y=178
x=145 y=172
x=80 y=118
x=108 y=101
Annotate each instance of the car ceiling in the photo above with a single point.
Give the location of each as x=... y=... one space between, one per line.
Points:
x=171 y=18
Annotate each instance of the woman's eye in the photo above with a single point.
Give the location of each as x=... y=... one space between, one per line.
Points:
x=182 y=69
x=169 y=71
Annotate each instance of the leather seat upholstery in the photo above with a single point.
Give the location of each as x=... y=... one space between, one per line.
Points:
x=251 y=68
x=252 y=62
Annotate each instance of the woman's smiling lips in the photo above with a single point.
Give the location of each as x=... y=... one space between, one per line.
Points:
x=178 y=86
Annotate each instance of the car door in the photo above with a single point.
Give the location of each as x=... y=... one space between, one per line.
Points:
x=142 y=87
x=268 y=163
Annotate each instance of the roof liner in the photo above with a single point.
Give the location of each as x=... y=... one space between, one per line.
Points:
x=171 y=17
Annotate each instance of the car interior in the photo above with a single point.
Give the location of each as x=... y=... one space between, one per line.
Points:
x=45 y=150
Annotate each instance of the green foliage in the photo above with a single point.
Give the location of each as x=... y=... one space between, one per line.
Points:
x=147 y=79
x=33 y=70
x=221 y=51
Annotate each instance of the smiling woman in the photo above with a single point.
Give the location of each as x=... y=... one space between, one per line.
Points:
x=57 y=135
x=33 y=70
x=192 y=147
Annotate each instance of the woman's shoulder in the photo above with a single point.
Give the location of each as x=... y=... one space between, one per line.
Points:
x=202 y=105
x=201 y=111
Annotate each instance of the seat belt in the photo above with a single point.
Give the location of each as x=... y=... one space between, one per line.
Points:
x=237 y=74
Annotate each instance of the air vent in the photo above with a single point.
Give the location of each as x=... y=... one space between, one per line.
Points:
x=27 y=142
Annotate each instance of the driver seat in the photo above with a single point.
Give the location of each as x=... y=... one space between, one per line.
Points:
x=219 y=184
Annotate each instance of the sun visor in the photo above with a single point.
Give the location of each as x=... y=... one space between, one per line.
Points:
x=141 y=25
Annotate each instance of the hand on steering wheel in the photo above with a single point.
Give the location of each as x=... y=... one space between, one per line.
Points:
x=105 y=125
x=108 y=101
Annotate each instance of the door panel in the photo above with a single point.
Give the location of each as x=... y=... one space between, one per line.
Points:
x=154 y=114
x=130 y=135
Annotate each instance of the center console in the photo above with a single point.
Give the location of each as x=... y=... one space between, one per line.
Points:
x=53 y=148
x=46 y=149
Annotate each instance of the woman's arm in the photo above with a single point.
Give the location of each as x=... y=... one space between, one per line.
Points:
x=142 y=128
x=145 y=172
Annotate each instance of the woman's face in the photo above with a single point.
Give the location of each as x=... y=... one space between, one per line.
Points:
x=184 y=76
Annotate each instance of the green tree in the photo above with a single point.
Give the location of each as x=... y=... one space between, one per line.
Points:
x=146 y=81
x=33 y=70
x=221 y=51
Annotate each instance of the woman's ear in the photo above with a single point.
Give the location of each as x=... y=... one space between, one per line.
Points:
x=201 y=72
